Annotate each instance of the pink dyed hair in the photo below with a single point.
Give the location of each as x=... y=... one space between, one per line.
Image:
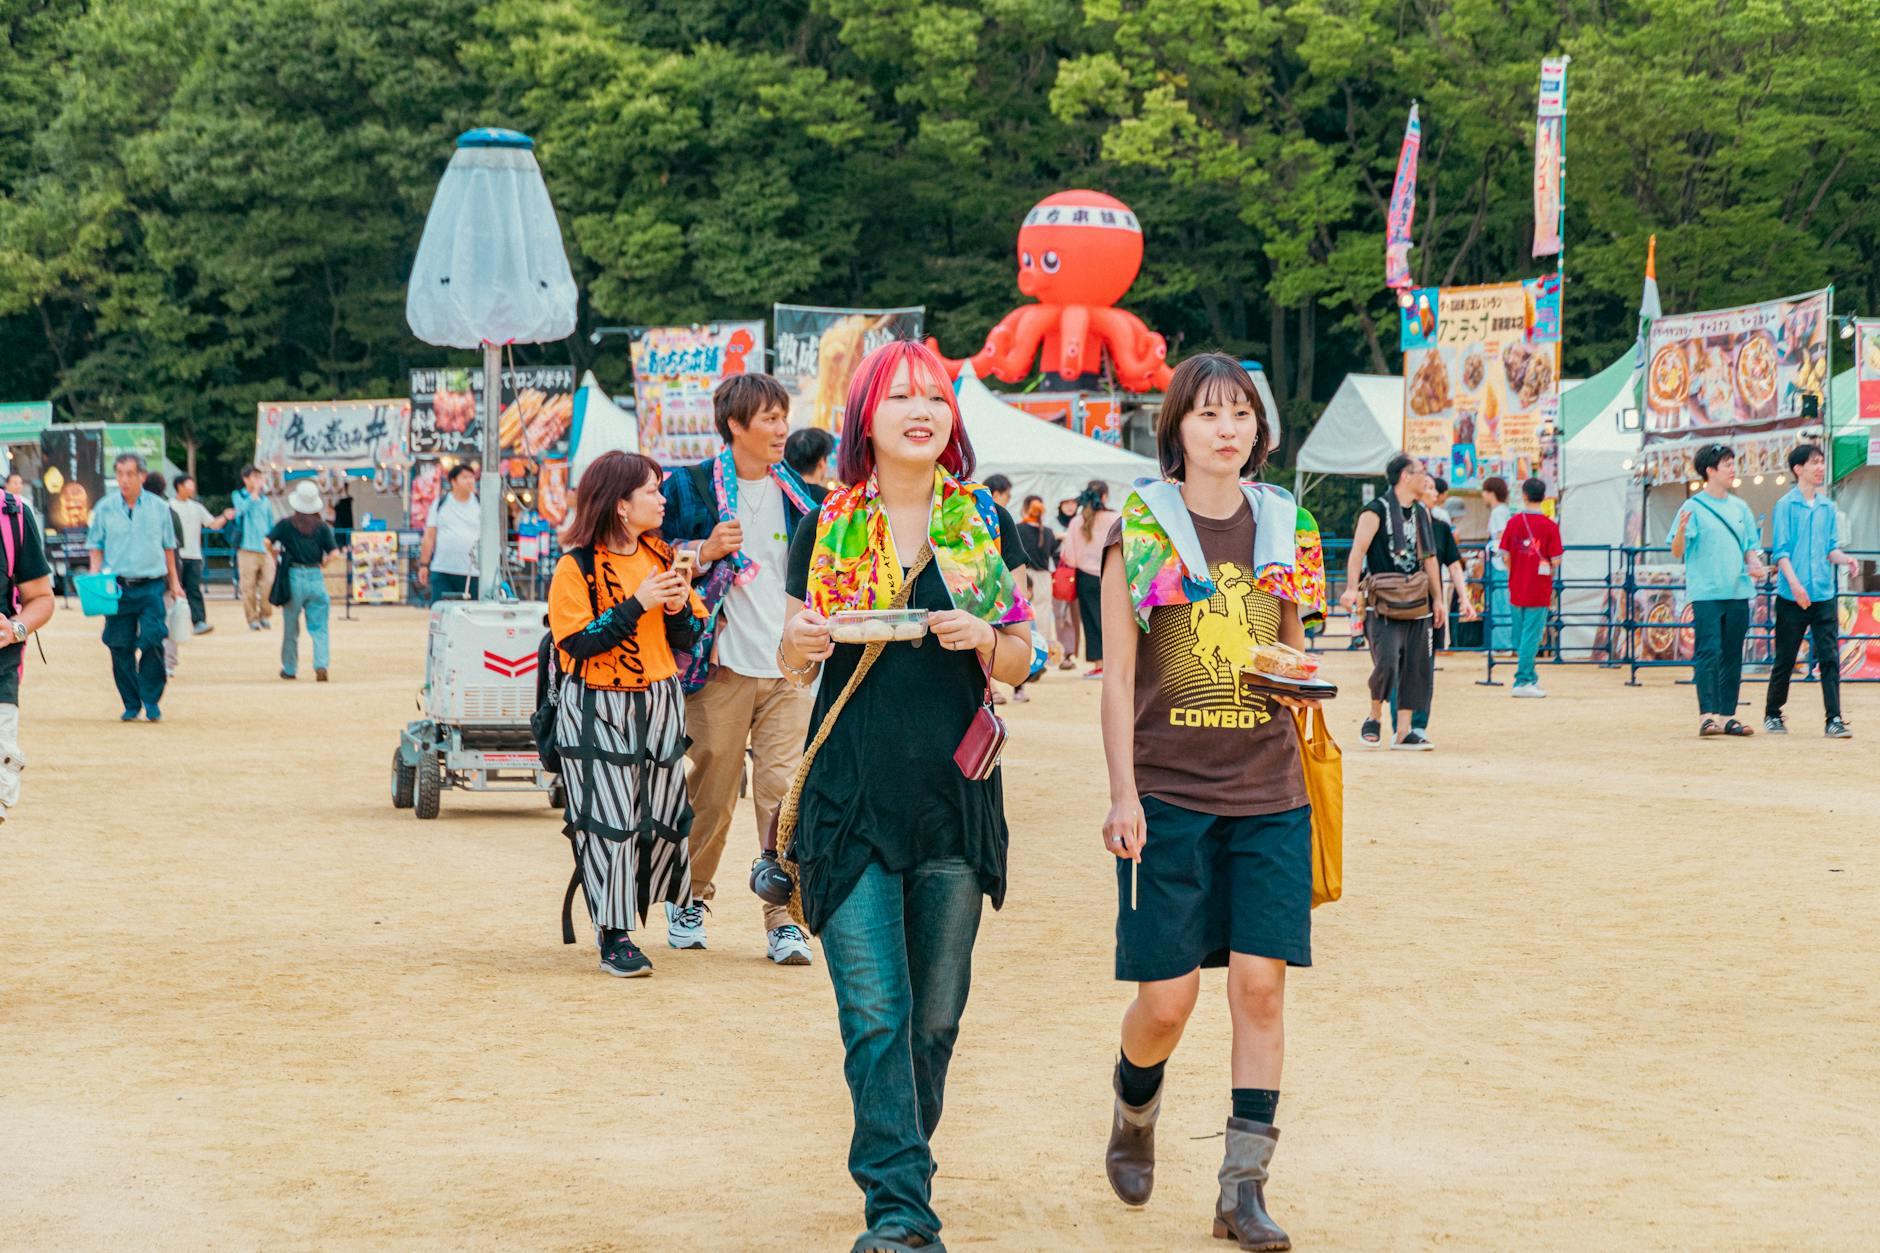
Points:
x=855 y=461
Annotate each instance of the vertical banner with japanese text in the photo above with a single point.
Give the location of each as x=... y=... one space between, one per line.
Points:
x=1550 y=132
x=1403 y=207
x=675 y=369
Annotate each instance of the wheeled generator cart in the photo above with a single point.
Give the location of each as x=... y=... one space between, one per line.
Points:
x=479 y=693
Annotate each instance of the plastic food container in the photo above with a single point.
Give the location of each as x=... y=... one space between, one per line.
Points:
x=877 y=626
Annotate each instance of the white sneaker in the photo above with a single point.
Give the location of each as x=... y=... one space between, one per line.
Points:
x=1529 y=691
x=685 y=928
x=788 y=946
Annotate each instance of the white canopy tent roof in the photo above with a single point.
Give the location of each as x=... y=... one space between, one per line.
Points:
x=1038 y=457
x=1361 y=428
x=1597 y=496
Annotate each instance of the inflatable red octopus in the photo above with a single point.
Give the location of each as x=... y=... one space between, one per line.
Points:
x=1078 y=252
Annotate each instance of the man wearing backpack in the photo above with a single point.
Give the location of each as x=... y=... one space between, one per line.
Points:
x=1716 y=537
x=737 y=513
x=26 y=595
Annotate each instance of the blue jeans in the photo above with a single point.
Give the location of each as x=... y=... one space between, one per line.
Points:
x=138 y=627
x=1501 y=638
x=306 y=594
x=900 y=955
x=1529 y=626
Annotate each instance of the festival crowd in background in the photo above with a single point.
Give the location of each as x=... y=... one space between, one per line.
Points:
x=696 y=654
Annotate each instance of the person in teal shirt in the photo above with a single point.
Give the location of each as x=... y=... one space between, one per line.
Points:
x=254 y=518
x=1716 y=536
x=133 y=535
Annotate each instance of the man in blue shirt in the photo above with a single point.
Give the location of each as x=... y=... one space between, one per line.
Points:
x=1806 y=547
x=1717 y=537
x=254 y=561
x=133 y=535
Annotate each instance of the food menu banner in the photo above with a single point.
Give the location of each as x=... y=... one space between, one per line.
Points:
x=447 y=410
x=1482 y=380
x=295 y=434
x=675 y=369
x=1731 y=369
x=818 y=350
x=377 y=578
x=1867 y=371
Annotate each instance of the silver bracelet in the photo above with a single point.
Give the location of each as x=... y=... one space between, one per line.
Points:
x=796 y=675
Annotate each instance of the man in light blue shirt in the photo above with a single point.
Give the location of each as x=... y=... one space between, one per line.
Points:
x=133 y=535
x=1717 y=538
x=254 y=561
x=1806 y=546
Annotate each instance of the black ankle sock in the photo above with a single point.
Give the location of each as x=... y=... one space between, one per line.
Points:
x=1256 y=1104
x=1139 y=1083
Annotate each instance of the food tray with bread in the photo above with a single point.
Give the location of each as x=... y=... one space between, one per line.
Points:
x=1281 y=670
x=877 y=626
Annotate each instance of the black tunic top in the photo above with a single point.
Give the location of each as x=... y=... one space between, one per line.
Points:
x=884 y=787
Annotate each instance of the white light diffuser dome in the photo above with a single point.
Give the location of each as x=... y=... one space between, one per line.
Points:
x=490 y=266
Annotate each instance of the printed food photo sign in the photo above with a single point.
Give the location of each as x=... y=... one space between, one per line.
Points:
x=1735 y=368
x=675 y=369
x=447 y=410
x=1482 y=380
x=819 y=349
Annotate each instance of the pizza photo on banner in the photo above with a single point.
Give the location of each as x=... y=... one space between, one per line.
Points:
x=1482 y=381
x=675 y=369
x=1737 y=369
x=818 y=350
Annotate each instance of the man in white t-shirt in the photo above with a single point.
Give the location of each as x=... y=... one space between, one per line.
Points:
x=738 y=512
x=191 y=513
x=447 y=557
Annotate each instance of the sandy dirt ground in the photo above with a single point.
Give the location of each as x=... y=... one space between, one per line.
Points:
x=1593 y=983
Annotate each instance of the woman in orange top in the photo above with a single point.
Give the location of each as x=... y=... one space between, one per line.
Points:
x=619 y=612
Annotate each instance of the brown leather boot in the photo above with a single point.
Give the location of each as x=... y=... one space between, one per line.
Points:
x=1130 y=1160
x=1241 y=1214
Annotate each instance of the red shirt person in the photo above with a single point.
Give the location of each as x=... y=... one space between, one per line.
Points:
x=1532 y=542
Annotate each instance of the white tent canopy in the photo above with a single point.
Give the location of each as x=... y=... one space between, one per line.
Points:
x=1360 y=430
x=1597 y=496
x=599 y=425
x=1039 y=458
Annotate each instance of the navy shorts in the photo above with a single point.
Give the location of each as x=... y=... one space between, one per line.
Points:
x=1210 y=885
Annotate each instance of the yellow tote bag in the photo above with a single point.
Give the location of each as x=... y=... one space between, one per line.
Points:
x=1325 y=788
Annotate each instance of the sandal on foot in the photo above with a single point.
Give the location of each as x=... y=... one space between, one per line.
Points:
x=1371 y=732
x=1709 y=727
x=1735 y=727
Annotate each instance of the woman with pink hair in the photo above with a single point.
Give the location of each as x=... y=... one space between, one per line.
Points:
x=893 y=841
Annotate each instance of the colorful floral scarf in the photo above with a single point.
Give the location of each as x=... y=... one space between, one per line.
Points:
x=854 y=564
x=725 y=490
x=1157 y=575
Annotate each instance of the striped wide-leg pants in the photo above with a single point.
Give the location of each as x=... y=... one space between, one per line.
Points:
x=627 y=810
